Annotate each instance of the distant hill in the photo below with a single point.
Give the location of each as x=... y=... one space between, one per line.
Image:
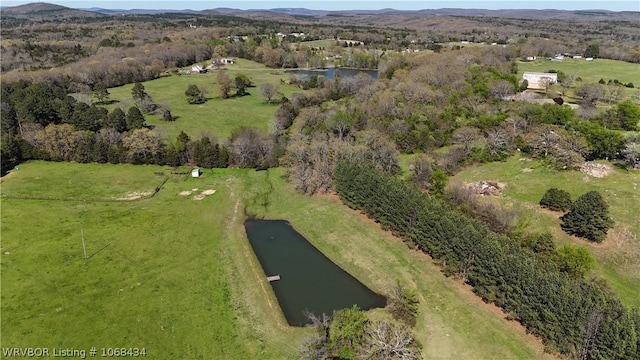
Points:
x=45 y=10
x=506 y=13
x=140 y=11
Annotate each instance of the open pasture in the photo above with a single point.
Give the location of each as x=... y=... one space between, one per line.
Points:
x=527 y=180
x=178 y=276
x=590 y=71
x=217 y=116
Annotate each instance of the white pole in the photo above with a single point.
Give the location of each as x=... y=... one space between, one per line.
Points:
x=83 y=246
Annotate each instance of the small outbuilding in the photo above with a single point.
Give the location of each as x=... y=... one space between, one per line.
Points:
x=195 y=173
x=536 y=80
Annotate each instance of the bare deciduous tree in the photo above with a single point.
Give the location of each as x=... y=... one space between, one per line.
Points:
x=384 y=340
x=226 y=83
x=268 y=91
x=465 y=136
x=590 y=93
x=143 y=145
x=545 y=83
x=613 y=93
x=501 y=88
x=421 y=170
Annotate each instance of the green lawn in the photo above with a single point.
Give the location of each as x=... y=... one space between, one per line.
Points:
x=155 y=278
x=178 y=277
x=618 y=256
x=217 y=116
x=41 y=179
x=589 y=71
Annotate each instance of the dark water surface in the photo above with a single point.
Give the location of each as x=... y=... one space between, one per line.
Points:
x=309 y=281
x=329 y=73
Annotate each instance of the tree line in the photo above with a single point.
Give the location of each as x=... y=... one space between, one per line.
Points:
x=522 y=274
x=42 y=122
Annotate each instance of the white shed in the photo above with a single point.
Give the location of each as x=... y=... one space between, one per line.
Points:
x=535 y=79
x=195 y=173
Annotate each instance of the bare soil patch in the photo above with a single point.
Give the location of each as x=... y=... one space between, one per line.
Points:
x=135 y=195
x=200 y=196
x=491 y=188
x=596 y=170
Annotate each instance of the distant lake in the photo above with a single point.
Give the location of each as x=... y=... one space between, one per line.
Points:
x=309 y=281
x=329 y=73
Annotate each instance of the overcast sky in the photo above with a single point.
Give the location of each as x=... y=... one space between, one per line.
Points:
x=619 y=5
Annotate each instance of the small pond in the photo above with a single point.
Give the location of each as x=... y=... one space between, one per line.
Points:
x=329 y=73
x=309 y=281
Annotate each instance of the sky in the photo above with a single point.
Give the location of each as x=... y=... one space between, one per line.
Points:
x=616 y=5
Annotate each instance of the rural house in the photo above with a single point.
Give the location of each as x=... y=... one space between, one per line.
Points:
x=225 y=60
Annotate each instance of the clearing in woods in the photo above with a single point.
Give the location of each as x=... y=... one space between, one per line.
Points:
x=526 y=180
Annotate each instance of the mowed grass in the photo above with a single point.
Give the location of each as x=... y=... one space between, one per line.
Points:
x=41 y=179
x=178 y=276
x=217 y=116
x=589 y=71
x=453 y=323
x=618 y=256
x=155 y=278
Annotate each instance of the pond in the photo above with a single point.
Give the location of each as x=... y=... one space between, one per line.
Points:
x=308 y=280
x=329 y=73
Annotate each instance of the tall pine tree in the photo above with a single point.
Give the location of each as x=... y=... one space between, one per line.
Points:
x=588 y=217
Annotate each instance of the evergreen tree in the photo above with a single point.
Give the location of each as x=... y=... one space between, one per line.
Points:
x=588 y=217
x=166 y=115
x=116 y=120
x=101 y=93
x=242 y=82
x=556 y=199
x=135 y=120
x=194 y=95
x=138 y=92
x=593 y=51
x=404 y=304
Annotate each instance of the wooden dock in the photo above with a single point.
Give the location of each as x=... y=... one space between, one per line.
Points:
x=273 y=278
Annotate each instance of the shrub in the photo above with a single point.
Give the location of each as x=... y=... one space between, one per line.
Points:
x=404 y=304
x=195 y=95
x=556 y=199
x=588 y=217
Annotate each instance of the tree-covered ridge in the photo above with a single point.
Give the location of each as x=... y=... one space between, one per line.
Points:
x=573 y=315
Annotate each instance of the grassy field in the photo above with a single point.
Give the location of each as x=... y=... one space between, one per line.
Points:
x=178 y=277
x=217 y=116
x=618 y=256
x=89 y=181
x=327 y=44
x=590 y=71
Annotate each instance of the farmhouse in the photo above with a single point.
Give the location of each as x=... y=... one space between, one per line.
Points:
x=536 y=79
x=226 y=60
